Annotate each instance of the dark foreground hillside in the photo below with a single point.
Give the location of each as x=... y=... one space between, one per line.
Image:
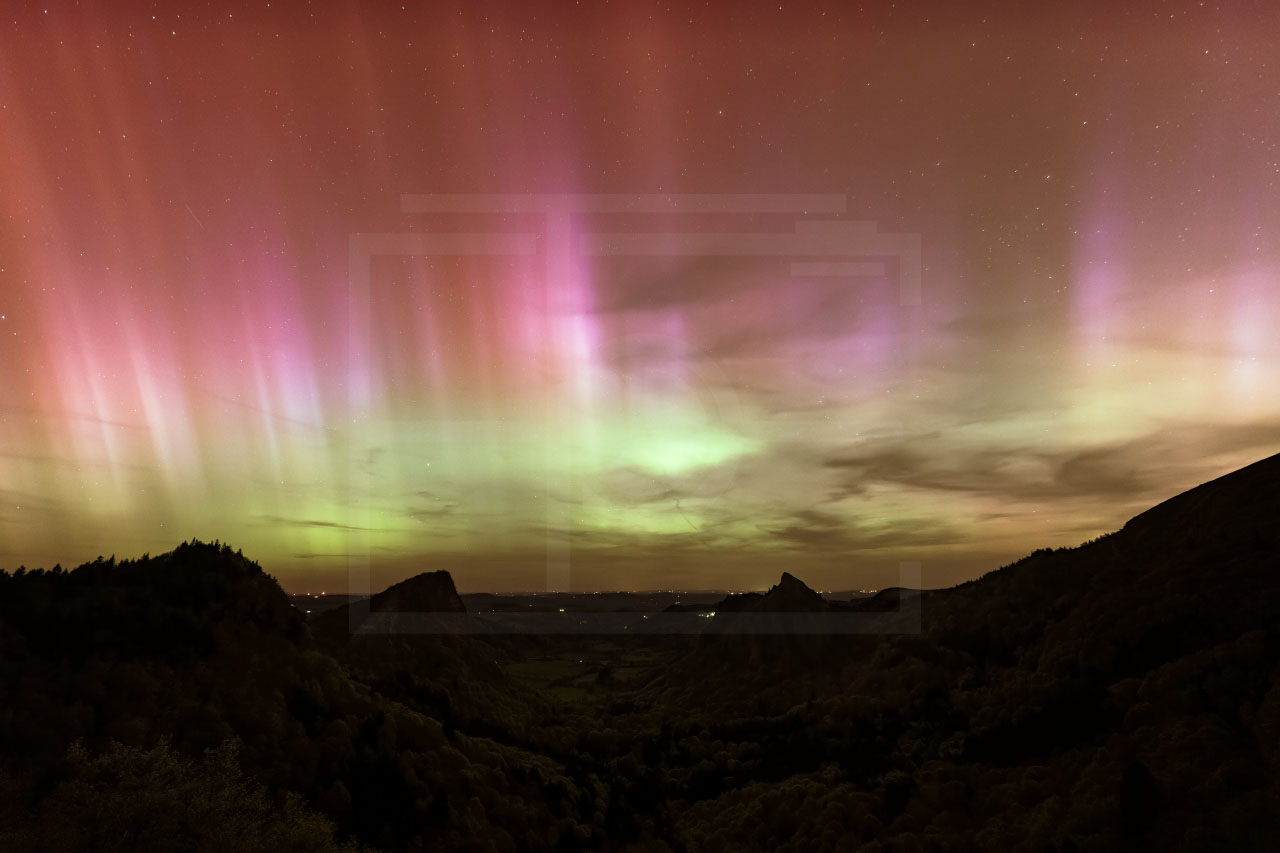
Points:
x=1120 y=695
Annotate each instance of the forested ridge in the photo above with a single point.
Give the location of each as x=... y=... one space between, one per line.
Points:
x=1119 y=695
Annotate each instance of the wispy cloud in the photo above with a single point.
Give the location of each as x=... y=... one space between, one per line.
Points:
x=282 y=521
x=812 y=529
x=1131 y=470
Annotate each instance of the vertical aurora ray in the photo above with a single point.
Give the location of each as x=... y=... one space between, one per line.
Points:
x=179 y=355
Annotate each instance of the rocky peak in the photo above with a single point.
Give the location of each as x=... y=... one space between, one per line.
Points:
x=429 y=592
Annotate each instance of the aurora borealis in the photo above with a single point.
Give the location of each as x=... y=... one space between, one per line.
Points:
x=183 y=191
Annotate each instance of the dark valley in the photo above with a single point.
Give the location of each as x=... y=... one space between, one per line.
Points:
x=1119 y=695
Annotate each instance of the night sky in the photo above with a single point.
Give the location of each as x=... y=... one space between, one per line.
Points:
x=194 y=344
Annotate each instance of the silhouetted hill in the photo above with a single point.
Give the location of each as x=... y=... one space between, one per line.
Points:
x=429 y=592
x=172 y=655
x=1137 y=672
x=410 y=642
x=787 y=621
x=168 y=606
x=427 y=603
x=1237 y=509
x=1193 y=571
x=789 y=595
x=888 y=599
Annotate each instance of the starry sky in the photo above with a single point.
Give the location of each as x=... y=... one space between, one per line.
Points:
x=536 y=292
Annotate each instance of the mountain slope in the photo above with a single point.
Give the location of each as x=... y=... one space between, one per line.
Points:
x=1119 y=695
x=199 y=647
x=427 y=603
x=788 y=595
